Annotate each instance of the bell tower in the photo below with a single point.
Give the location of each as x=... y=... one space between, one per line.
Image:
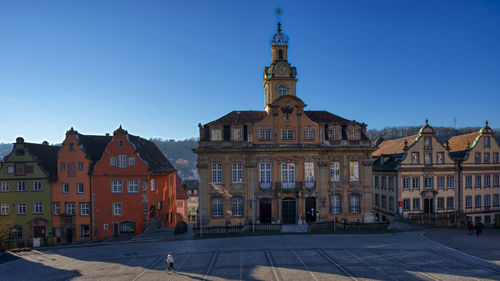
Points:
x=279 y=77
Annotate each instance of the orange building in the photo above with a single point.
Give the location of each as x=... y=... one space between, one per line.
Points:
x=181 y=198
x=71 y=193
x=133 y=187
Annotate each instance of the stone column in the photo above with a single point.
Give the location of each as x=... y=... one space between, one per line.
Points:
x=203 y=189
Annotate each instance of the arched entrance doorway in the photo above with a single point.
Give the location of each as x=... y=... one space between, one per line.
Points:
x=288 y=210
x=310 y=209
x=265 y=210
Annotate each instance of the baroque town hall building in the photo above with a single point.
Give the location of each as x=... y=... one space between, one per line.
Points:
x=284 y=164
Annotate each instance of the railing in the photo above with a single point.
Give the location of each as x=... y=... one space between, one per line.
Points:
x=339 y=225
x=9 y=244
x=289 y=186
x=265 y=185
x=235 y=230
x=447 y=218
x=310 y=184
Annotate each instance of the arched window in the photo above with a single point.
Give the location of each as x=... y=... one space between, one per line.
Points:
x=281 y=90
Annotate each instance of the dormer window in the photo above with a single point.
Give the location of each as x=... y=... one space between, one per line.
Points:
x=281 y=90
x=353 y=133
x=309 y=133
x=486 y=141
x=216 y=134
x=334 y=133
x=237 y=134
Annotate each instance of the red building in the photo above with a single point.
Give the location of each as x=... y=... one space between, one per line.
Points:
x=133 y=187
x=181 y=198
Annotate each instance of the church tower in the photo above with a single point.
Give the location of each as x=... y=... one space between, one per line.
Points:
x=280 y=77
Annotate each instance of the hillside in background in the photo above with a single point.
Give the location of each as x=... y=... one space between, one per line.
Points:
x=5 y=148
x=180 y=152
x=181 y=155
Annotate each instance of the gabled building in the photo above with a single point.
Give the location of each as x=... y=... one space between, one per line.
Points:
x=25 y=194
x=284 y=164
x=72 y=192
x=181 y=200
x=414 y=175
x=133 y=187
x=478 y=157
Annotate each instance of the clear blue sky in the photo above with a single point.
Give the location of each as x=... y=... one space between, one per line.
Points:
x=161 y=67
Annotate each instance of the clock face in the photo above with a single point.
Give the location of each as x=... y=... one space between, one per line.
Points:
x=282 y=69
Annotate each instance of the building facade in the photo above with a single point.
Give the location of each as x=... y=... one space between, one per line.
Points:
x=284 y=164
x=71 y=193
x=414 y=175
x=25 y=194
x=192 y=203
x=477 y=154
x=133 y=187
x=181 y=200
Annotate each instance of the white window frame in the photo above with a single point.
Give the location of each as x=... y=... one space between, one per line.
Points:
x=84 y=209
x=65 y=188
x=448 y=204
x=354 y=204
x=335 y=204
x=237 y=134
x=70 y=208
x=309 y=173
x=117 y=186
x=21 y=208
x=4 y=186
x=217 y=172
x=122 y=161
x=288 y=172
x=80 y=188
x=10 y=169
x=217 y=207
x=133 y=186
x=4 y=209
x=287 y=134
x=477 y=201
x=37 y=185
x=56 y=208
x=487 y=201
x=37 y=208
x=353 y=170
x=216 y=134
x=265 y=134
x=440 y=157
x=265 y=172
x=237 y=172
x=237 y=206
x=20 y=186
x=334 y=133
x=309 y=133
x=131 y=161
x=406 y=183
x=117 y=209
x=335 y=171
x=353 y=133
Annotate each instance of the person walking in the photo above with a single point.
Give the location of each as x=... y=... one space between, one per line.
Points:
x=470 y=225
x=170 y=261
x=479 y=228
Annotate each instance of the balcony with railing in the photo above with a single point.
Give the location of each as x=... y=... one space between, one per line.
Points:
x=288 y=186
x=265 y=185
x=310 y=184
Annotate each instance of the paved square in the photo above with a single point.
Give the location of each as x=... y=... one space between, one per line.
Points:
x=402 y=256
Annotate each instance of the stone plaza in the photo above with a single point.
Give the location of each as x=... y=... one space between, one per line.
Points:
x=392 y=256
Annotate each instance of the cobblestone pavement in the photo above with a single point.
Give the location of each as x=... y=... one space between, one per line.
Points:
x=398 y=256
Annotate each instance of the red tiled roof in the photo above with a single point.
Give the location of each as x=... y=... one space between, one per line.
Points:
x=459 y=143
x=393 y=146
